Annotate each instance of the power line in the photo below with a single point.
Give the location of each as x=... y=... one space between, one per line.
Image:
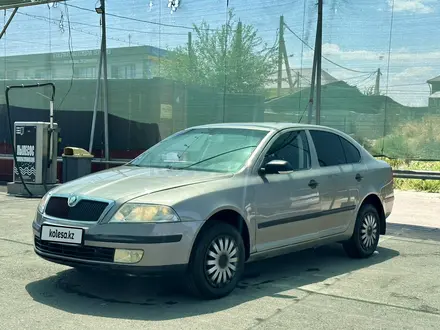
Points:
x=137 y=19
x=363 y=80
x=151 y=22
x=97 y=26
x=405 y=85
x=289 y=3
x=82 y=31
x=327 y=59
x=360 y=76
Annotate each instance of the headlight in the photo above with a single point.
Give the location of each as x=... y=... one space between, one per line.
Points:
x=43 y=203
x=132 y=212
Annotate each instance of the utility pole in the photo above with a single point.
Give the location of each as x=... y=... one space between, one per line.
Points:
x=297 y=79
x=190 y=52
x=312 y=88
x=95 y=106
x=238 y=50
x=189 y=45
x=8 y=22
x=105 y=89
x=318 y=51
x=286 y=59
x=377 y=86
x=280 y=55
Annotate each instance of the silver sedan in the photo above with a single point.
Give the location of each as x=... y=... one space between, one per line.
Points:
x=208 y=199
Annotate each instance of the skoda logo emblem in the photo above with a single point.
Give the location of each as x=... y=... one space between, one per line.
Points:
x=72 y=200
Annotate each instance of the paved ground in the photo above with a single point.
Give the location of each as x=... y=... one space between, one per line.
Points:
x=398 y=288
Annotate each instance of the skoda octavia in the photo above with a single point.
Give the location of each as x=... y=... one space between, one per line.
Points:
x=209 y=199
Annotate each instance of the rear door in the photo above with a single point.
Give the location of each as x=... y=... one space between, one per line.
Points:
x=355 y=170
x=284 y=201
x=338 y=186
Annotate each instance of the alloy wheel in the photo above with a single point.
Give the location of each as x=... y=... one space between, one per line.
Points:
x=221 y=261
x=369 y=231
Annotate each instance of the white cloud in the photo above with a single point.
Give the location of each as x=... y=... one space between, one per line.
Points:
x=414 y=6
x=400 y=56
x=414 y=72
x=409 y=70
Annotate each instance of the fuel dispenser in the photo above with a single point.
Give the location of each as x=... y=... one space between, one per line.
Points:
x=35 y=146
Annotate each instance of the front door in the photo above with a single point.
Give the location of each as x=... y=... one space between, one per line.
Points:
x=284 y=201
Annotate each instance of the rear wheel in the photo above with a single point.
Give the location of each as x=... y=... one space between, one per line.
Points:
x=365 y=237
x=217 y=262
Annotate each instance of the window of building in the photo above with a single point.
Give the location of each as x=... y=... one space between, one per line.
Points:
x=123 y=71
x=41 y=74
x=148 y=69
x=12 y=74
x=85 y=72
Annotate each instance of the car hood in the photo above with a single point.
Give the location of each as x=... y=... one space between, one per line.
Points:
x=127 y=182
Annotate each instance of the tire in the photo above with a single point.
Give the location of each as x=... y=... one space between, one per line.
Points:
x=211 y=273
x=365 y=238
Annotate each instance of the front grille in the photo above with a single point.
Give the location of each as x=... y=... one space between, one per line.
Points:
x=85 y=210
x=80 y=252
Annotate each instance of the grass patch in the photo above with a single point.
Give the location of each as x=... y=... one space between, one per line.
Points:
x=411 y=184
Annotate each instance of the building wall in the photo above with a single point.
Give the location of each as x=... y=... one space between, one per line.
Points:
x=123 y=63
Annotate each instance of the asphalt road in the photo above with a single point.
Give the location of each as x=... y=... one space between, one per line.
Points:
x=398 y=288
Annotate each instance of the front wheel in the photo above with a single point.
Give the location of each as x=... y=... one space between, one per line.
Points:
x=217 y=262
x=365 y=237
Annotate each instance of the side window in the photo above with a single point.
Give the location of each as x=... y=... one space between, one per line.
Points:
x=292 y=147
x=352 y=154
x=328 y=148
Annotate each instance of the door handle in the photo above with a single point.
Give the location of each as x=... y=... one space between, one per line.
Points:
x=313 y=184
x=359 y=177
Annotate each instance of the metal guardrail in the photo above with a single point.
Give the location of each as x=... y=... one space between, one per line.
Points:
x=398 y=174
x=419 y=175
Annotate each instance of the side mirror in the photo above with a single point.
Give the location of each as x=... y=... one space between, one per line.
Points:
x=276 y=167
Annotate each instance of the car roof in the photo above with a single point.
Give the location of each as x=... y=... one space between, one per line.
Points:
x=265 y=125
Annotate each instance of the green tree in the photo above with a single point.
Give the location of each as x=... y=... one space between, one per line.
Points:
x=232 y=56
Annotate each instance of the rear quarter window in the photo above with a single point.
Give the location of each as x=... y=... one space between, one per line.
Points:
x=352 y=153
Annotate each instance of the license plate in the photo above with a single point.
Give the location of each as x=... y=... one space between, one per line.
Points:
x=61 y=234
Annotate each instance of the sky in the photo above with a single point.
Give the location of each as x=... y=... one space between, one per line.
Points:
x=399 y=37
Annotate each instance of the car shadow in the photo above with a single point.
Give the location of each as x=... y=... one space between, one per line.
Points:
x=413 y=231
x=165 y=298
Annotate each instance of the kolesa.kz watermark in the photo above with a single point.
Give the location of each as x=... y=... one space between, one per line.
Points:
x=59 y=234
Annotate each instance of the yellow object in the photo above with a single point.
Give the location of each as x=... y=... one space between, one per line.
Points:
x=76 y=152
x=124 y=256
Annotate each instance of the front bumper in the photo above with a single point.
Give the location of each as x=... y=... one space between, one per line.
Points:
x=112 y=267
x=167 y=247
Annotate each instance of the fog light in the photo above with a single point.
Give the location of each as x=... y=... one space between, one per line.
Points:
x=128 y=256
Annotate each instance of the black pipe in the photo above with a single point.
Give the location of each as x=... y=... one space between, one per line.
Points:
x=14 y=152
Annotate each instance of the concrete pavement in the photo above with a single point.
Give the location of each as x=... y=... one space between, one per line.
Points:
x=398 y=288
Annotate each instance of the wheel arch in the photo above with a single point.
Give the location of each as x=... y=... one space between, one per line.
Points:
x=233 y=218
x=375 y=200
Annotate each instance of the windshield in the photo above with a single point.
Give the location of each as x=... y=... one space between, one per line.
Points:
x=208 y=149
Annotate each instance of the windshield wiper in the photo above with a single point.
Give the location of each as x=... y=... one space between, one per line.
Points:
x=223 y=153
x=168 y=167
